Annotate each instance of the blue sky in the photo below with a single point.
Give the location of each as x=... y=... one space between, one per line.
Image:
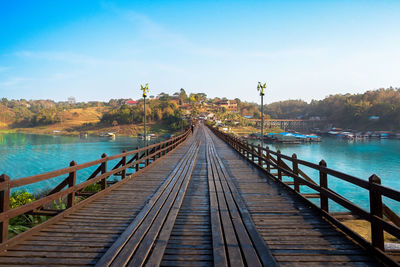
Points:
x=98 y=50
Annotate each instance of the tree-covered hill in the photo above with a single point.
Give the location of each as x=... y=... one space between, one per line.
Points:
x=378 y=109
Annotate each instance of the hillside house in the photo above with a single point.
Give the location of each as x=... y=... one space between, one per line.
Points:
x=230 y=105
x=132 y=102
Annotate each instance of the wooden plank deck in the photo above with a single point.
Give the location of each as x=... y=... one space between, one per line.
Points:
x=200 y=205
x=191 y=238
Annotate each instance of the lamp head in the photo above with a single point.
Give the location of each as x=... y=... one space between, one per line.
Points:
x=261 y=87
x=145 y=89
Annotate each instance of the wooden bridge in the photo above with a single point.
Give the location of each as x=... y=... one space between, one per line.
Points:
x=198 y=199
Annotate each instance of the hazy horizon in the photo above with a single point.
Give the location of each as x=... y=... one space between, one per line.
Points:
x=105 y=49
x=257 y=101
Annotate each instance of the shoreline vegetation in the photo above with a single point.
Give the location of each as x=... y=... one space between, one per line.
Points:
x=24 y=222
x=372 y=110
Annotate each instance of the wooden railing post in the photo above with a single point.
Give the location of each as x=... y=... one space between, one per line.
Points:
x=123 y=164
x=375 y=203
x=71 y=183
x=147 y=159
x=137 y=158
x=279 y=160
x=267 y=156
x=153 y=151
x=295 y=166
x=260 y=163
x=103 y=170
x=252 y=153
x=4 y=206
x=323 y=182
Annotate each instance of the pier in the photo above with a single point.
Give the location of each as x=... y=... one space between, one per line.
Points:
x=204 y=198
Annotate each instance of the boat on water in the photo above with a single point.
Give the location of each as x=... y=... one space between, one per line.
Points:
x=295 y=138
x=357 y=135
x=287 y=137
x=107 y=134
x=347 y=135
x=148 y=136
x=384 y=135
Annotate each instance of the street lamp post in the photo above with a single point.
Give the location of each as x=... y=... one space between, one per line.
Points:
x=145 y=90
x=261 y=87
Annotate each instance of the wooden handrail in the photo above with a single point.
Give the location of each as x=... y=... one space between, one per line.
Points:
x=100 y=175
x=375 y=189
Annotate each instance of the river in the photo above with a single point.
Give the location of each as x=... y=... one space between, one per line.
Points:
x=23 y=155
x=358 y=158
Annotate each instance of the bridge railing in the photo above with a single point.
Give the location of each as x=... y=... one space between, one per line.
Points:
x=270 y=160
x=137 y=159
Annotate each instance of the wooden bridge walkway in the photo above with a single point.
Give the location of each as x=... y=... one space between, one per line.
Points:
x=202 y=204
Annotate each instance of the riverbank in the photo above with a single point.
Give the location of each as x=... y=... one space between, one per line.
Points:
x=76 y=121
x=93 y=129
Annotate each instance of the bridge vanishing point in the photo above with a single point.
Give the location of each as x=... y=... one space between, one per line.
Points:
x=201 y=199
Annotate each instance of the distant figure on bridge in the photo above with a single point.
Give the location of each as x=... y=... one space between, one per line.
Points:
x=192 y=126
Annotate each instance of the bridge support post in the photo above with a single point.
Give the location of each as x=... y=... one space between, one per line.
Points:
x=123 y=164
x=71 y=183
x=323 y=182
x=376 y=209
x=279 y=159
x=4 y=206
x=296 y=172
x=103 y=170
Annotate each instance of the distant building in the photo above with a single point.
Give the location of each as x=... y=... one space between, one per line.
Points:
x=71 y=100
x=162 y=95
x=175 y=96
x=132 y=102
x=230 y=105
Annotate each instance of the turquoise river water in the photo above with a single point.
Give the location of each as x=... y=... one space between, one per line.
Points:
x=358 y=158
x=23 y=155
